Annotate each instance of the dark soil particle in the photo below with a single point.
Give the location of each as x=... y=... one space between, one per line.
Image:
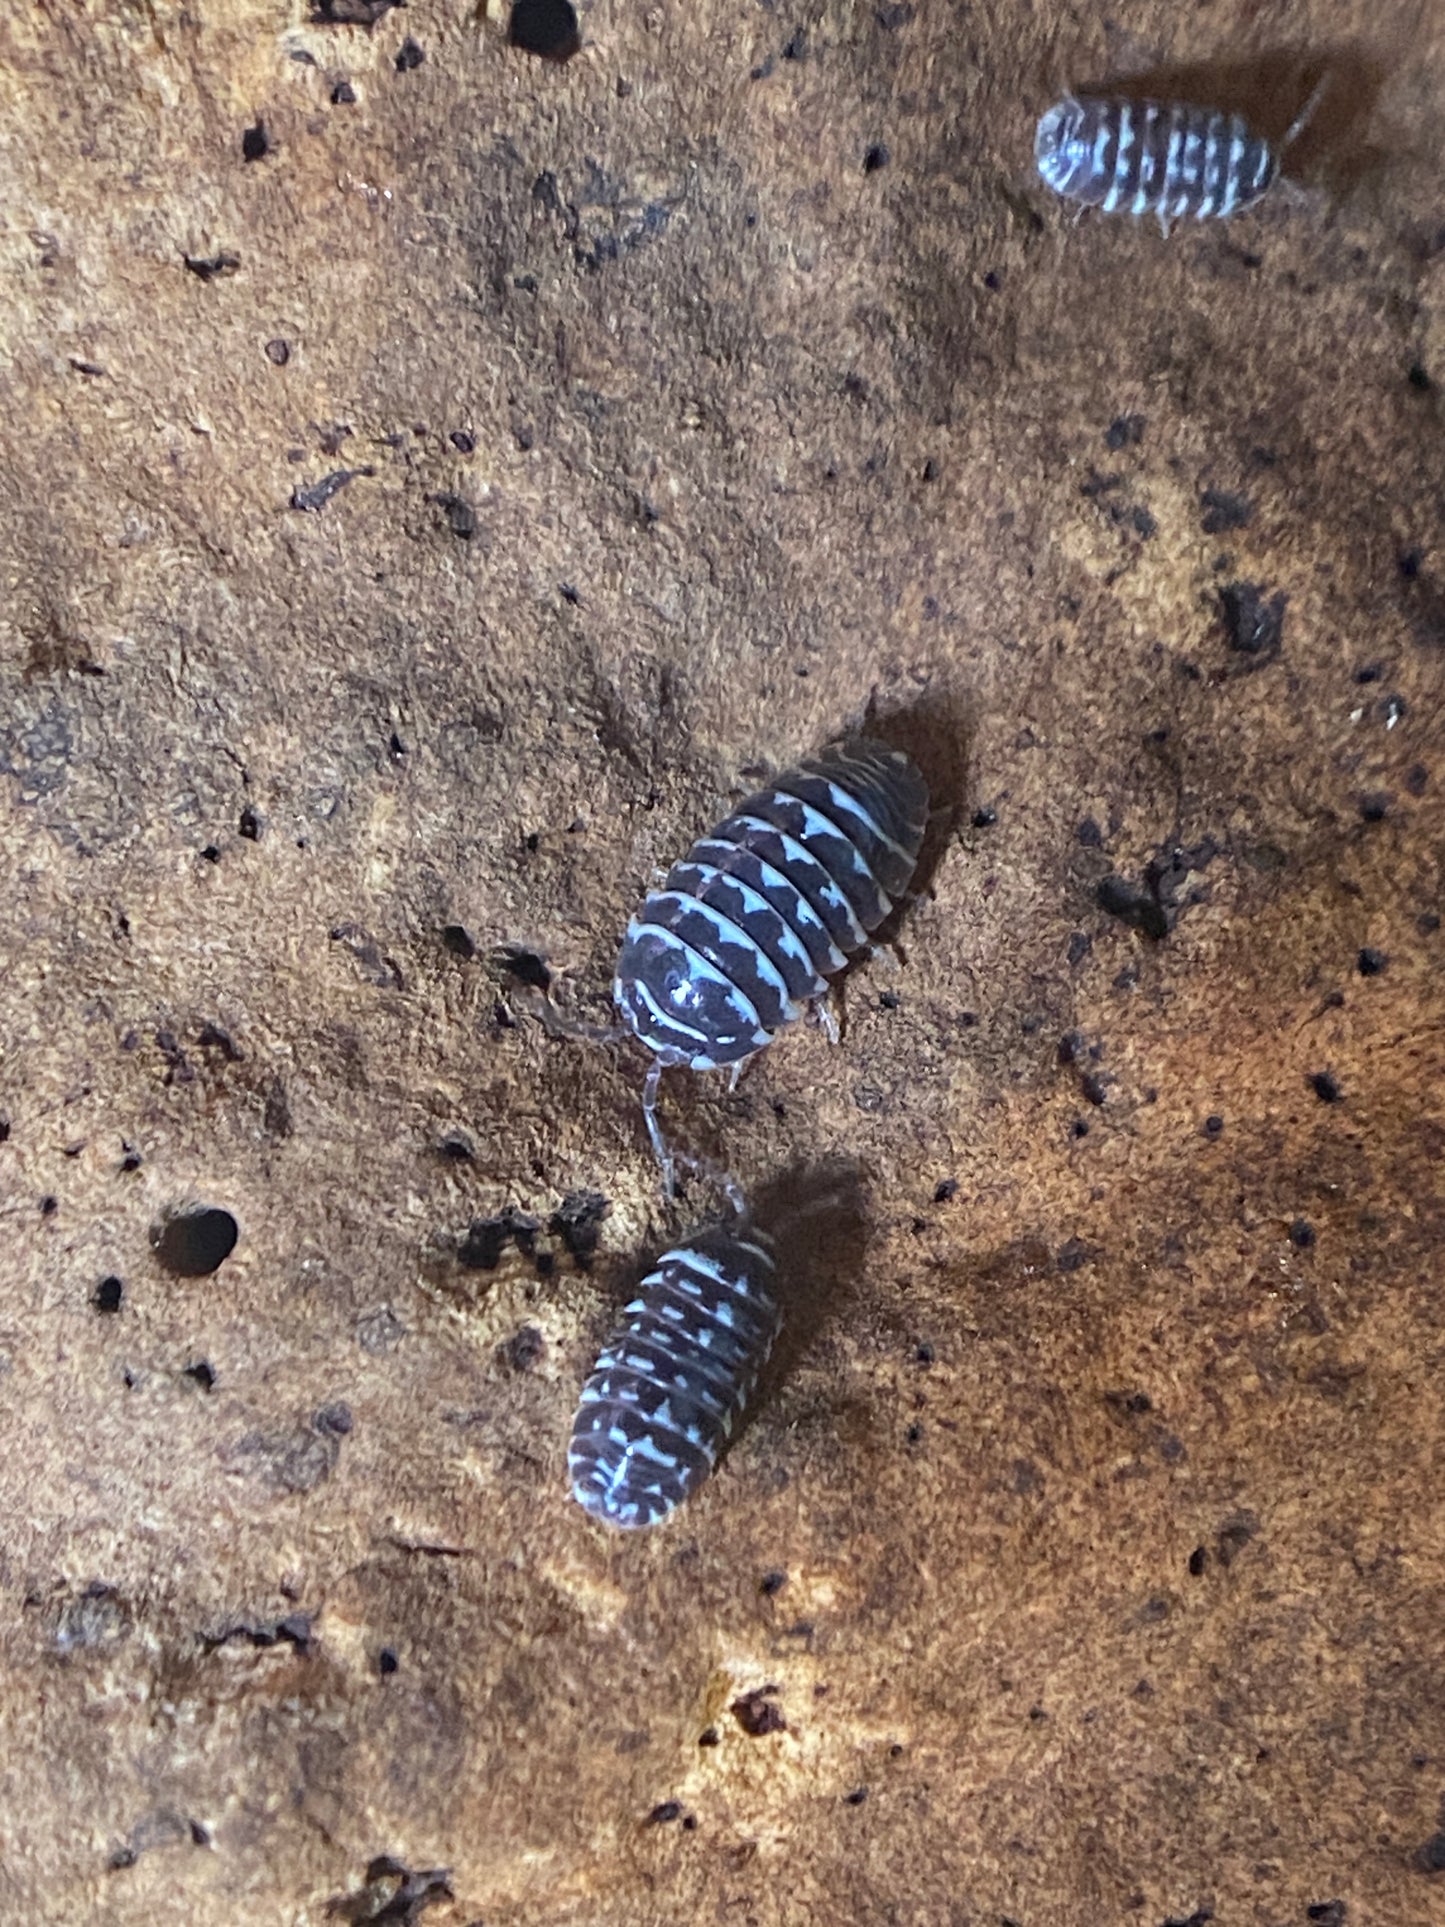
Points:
x=578 y=1223
x=1326 y=1087
x=1372 y=962
x=1253 y=624
x=547 y=28
x=487 y=1238
x=1224 y=511
x=458 y=940
x=758 y=1713
x=524 y=1348
x=209 y=267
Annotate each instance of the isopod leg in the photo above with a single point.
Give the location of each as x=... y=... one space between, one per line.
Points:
x=661 y=1150
x=1306 y=113
x=714 y=1175
x=827 y=1018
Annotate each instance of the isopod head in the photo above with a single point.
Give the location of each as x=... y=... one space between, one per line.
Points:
x=1063 y=148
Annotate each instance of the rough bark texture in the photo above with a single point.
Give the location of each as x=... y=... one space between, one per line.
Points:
x=427 y=524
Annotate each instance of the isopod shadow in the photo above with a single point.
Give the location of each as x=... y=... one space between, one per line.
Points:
x=935 y=732
x=816 y=1216
x=1269 y=91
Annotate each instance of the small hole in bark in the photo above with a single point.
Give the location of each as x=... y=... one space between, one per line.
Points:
x=408 y=55
x=386 y=1661
x=875 y=157
x=193 y=1244
x=203 y=1374
x=255 y=143
x=108 y=1294
x=547 y=28
x=250 y=825
x=457 y=939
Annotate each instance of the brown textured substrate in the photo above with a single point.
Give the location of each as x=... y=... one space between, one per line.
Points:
x=436 y=481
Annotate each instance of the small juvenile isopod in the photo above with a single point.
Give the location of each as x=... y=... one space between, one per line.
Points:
x=749 y=926
x=674 y=1377
x=1149 y=157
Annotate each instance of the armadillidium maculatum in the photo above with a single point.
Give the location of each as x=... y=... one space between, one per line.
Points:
x=1149 y=157
x=674 y=1378
x=760 y=913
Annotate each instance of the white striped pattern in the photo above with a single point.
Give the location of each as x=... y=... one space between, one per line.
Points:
x=673 y=1379
x=1146 y=157
x=718 y=961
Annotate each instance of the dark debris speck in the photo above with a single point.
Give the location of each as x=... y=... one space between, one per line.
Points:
x=1125 y=431
x=1371 y=962
x=1223 y=511
x=1326 y=1087
x=578 y=1223
x=487 y=1238
x=458 y=940
x=1253 y=622
x=409 y=54
x=758 y=1712
x=524 y=1348
x=1301 y=1234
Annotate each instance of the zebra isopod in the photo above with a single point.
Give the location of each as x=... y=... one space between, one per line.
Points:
x=749 y=926
x=1148 y=157
x=674 y=1377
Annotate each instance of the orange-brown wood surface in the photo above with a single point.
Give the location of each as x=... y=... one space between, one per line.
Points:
x=432 y=490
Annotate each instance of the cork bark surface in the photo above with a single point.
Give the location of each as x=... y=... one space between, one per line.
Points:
x=436 y=482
